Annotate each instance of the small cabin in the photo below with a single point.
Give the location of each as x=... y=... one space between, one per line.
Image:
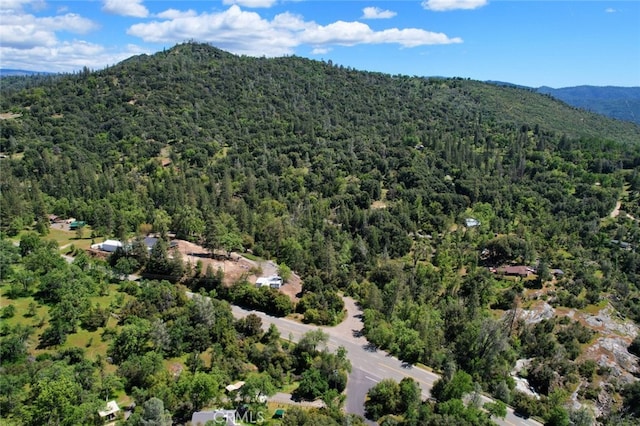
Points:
x=77 y=224
x=110 y=413
x=273 y=281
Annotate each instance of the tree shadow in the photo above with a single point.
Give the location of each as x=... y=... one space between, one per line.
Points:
x=370 y=347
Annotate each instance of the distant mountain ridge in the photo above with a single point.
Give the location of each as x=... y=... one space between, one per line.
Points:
x=7 y=72
x=622 y=103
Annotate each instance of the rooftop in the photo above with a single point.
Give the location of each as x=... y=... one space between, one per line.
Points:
x=112 y=408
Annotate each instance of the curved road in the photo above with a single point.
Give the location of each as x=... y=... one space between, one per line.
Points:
x=369 y=365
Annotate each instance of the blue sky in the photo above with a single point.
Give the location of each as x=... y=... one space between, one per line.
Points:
x=533 y=43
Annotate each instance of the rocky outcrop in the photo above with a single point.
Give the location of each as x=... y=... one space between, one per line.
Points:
x=538 y=313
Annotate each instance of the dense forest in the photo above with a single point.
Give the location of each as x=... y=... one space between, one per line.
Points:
x=413 y=195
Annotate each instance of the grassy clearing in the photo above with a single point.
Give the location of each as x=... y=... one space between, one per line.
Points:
x=252 y=257
x=594 y=309
x=66 y=238
x=505 y=283
x=62 y=237
x=91 y=341
x=112 y=296
x=206 y=357
x=289 y=388
x=123 y=399
x=22 y=307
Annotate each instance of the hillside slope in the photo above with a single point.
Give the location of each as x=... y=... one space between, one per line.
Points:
x=362 y=183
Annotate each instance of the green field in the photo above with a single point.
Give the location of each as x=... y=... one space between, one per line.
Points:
x=91 y=341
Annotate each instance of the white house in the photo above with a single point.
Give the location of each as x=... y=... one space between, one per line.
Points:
x=109 y=246
x=272 y=281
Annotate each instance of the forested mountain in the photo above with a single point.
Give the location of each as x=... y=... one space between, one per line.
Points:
x=363 y=183
x=622 y=103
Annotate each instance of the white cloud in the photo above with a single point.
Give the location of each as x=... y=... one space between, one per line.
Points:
x=65 y=57
x=320 y=50
x=133 y=8
x=444 y=5
x=340 y=32
x=32 y=42
x=377 y=13
x=70 y=22
x=412 y=37
x=25 y=36
x=352 y=33
x=289 y=21
x=235 y=30
x=25 y=31
x=610 y=10
x=175 y=14
x=246 y=32
x=18 y=5
x=251 y=3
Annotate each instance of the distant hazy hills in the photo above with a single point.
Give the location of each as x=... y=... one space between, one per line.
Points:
x=622 y=103
x=5 y=72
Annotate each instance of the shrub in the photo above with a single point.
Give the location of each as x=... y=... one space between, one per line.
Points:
x=8 y=311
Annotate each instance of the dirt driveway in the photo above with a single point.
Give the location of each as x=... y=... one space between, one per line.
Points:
x=238 y=267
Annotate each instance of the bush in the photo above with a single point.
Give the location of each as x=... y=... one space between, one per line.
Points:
x=382 y=399
x=503 y=392
x=525 y=405
x=15 y=227
x=130 y=287
x=590 y=392
x=8 y=311
x=265 y=299
x=587 y=368
x=94 y=318
x=312 y=385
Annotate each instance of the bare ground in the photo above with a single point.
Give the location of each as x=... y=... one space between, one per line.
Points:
x=237 y=267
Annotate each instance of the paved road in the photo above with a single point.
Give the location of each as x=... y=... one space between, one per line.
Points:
x=369 y=365
x=358 y=385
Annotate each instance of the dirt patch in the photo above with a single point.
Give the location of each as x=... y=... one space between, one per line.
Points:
x=9 y=115
x=237 y=267
x=616 y=210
